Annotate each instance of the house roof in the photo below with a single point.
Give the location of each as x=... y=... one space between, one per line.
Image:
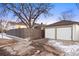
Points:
x=63 y=22
x=16 y=23
x=20 y=23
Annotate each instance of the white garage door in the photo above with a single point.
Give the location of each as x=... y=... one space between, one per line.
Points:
x=50 y=33
x=64 y=33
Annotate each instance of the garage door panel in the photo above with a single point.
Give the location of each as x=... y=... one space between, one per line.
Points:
x=50 y=33
x=64 y=33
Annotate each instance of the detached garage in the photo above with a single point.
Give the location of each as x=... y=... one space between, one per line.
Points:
x=63 y=30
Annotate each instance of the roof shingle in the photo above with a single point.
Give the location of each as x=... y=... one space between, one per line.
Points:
x=63 y=22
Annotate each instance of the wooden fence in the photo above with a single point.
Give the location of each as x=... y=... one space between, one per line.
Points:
x=24 y=33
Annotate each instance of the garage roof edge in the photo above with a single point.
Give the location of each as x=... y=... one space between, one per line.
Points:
x=63 y=22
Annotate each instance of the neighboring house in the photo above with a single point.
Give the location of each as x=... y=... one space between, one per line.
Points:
x=15 y=25
x=63 y=30
x=20 y=25
x=40 y=26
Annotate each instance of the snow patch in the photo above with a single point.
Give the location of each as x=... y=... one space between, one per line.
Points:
x=4 y=36
x=70 y=50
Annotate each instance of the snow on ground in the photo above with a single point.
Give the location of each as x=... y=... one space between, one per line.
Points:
x=4 y=36
x=70 y=50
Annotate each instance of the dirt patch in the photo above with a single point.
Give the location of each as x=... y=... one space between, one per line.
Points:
x=3 y=52
x=44 y=48
x=6 y=41
x=38 y=47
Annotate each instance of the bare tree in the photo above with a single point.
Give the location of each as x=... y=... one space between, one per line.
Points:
x=3 y=26
x=28 y=13
x=67 y=15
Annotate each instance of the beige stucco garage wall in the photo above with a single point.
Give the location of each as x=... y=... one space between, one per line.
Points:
x=70 y=32
x=64 y=33
x=50 y=33
x=75 y=32
x=57 y=31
